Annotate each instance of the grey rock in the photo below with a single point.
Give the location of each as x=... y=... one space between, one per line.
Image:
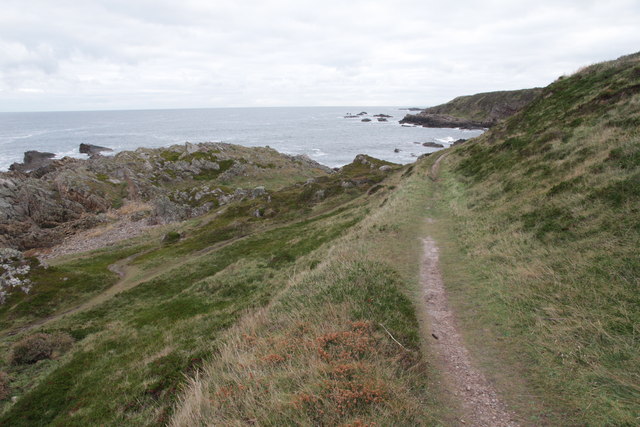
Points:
x=92 y=150
x=206 y=164
x=40 y=207
x=240 y=193
x=432 y=144
x=32 y=160
x=167 y=211
x=191 y=148
x=444 y=121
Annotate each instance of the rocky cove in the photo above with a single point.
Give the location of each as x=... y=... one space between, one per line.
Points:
x=45 y=200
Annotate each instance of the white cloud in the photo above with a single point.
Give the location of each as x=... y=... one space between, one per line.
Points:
x=114 y=54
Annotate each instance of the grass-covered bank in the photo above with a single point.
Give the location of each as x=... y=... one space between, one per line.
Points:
x=334 y=250
x=340 y=345
x=131 y=351
x=544 y=215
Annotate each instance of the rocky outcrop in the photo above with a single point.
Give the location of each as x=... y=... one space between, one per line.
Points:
x=432 y=144
x=45 y=200
x=444 y=121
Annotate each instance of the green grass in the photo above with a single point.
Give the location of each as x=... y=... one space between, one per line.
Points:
x=306 y=314
x=59 y=287
x=176 y=310
x=543 y=213
x=319 y=354
x=134 y=350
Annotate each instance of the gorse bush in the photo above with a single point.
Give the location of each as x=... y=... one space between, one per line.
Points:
x=39 y=347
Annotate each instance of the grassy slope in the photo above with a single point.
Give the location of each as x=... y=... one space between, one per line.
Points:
x=486 y=106
x=539 y=229
x=320 y=354
x=134 y=350
x=546 y=231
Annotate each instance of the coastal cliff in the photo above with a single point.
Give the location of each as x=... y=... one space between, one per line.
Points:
x=479 y=111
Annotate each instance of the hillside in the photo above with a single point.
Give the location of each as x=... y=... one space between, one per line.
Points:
x=302 y=304
x=538 y=224
x=546 y=215
x=108 y=337
x=478 y=111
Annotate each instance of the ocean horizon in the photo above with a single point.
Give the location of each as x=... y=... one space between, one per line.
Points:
x=322 y=133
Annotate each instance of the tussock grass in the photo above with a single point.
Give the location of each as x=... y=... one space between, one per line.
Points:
x=339 y=345
x=133 y=351
x=545 y=220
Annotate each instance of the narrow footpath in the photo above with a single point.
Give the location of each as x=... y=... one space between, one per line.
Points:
x=465 y=383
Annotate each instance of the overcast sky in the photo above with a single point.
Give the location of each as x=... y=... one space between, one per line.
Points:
x=139 y=54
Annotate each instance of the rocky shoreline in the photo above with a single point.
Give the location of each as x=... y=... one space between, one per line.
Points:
x=444 y=121
x=479 y=111
x=44 y=201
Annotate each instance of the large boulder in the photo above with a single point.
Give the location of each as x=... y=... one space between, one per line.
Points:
x=32 y=160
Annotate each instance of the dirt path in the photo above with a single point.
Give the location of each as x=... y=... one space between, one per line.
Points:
x=130 y=277
x=125 y=282
x=478 y=399
x=465 y=383
x=435 y=167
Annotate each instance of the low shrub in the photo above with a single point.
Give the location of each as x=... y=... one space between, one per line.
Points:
x=40 y=346
x=171 y=237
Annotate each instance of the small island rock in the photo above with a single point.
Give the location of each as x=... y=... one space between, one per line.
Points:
x=92 y=150
x=432 y=144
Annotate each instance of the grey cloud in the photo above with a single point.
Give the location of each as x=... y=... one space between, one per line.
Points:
x=199 y=53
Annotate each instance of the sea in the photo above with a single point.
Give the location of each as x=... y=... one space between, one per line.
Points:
x=322 y=133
